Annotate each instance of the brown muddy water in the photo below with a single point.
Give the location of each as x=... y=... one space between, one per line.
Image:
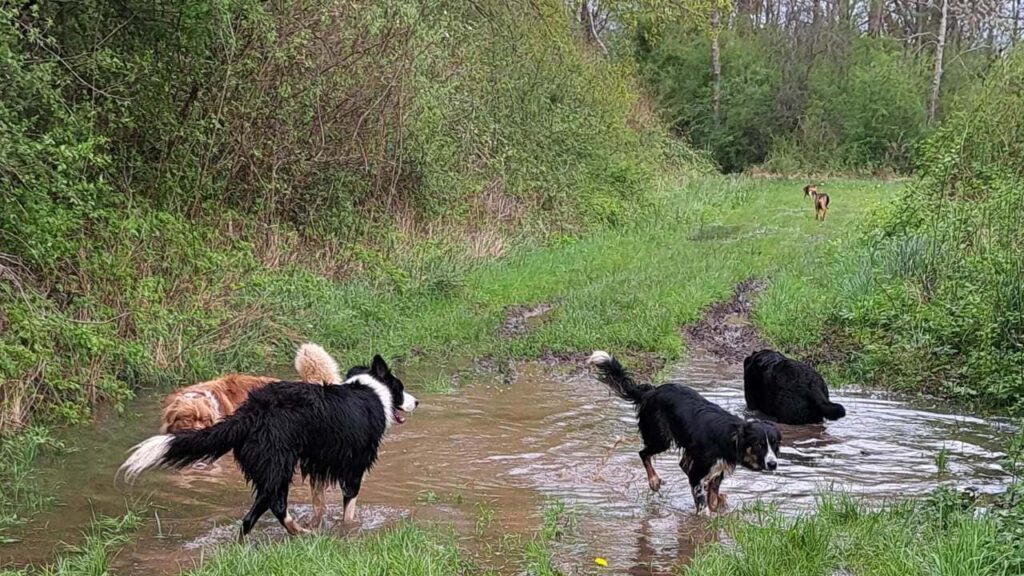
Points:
x=502 y=451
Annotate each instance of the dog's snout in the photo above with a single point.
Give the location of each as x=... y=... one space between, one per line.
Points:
x=771 y=464
x=416 y=403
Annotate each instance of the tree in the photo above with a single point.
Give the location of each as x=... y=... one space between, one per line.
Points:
x=716 y=66
x=940 y=46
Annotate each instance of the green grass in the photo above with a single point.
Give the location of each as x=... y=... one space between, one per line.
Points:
x=938 y=537
x=20 y=493
x=626 y=290
x=405 y=549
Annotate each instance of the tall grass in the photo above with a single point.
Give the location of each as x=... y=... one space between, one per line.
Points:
x=20 y=493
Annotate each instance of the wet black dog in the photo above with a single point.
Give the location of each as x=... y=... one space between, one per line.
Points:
x=333 y=433
x=791 y=392
x=713 y=440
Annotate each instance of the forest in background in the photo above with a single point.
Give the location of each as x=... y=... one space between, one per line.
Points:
x=817 y=86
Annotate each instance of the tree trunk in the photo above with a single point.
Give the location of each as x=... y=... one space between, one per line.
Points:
x=1016 y=21
x=940 y=45
x=587 y=22
x=716 y=68
x=875 y=10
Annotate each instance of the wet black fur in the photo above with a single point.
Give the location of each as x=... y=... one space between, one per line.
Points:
x=332 y=432
x=675 y=415
x=789 y=391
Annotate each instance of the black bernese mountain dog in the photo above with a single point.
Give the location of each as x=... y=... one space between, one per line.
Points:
x=333 y=433
x=789 y=391
x=713 y=441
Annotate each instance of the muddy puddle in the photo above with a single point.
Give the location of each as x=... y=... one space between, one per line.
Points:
x=488 y=457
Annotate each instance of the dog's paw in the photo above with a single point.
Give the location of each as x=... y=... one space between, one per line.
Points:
x=655 y=483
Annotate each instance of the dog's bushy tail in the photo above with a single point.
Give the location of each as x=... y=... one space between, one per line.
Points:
x=831 y=410
x=180 y=449
x=615 y=376
x=316 y=366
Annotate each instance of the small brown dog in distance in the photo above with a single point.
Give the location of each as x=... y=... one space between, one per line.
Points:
x=820 y=205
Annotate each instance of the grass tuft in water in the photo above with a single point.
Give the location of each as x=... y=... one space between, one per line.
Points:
x=91 y=557
x=21 y=493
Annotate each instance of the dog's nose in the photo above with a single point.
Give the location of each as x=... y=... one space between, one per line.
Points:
x=771 y=464
x=416 y=403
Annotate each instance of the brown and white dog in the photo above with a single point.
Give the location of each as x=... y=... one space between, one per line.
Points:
x=204 y=404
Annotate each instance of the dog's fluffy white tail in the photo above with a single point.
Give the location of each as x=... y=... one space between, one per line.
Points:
x=599 y=357
x=316 y=366
x=145 y=455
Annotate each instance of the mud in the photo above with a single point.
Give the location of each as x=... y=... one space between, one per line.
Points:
x=725 y=330
x=521 y=319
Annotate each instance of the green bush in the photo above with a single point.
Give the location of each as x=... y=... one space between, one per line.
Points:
x=160 y=163
x=859 y=106
x=933 y=296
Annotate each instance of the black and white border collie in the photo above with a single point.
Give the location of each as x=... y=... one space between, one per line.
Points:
x=333 y=433
x=712 y=440
x=789 y=391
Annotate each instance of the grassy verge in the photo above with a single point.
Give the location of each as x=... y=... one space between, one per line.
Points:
x=939 y=536
x=627 y=290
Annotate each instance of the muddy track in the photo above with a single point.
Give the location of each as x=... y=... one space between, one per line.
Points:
x=725 y=330
x=521 y=319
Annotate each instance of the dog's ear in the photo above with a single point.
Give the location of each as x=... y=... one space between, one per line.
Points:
x=737 y=434
x=379 y=368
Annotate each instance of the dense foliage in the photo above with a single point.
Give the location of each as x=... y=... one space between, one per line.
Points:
x=932 y=297
x=803 y=100
x=159 y=158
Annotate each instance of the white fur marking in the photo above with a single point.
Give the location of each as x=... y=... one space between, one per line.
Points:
x=409 y=404
x=770 y=457
x=145 y=455
x=315 y=365
x=211 y=398
x=721 y=467
x=599 y=357
x=350 y=510
x=382 y=392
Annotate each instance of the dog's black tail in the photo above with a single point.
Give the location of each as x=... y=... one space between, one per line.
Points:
x=183 y=448
x=830 y=410
x=615 y=376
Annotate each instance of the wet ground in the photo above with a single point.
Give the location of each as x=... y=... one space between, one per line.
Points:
x=500 y=451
